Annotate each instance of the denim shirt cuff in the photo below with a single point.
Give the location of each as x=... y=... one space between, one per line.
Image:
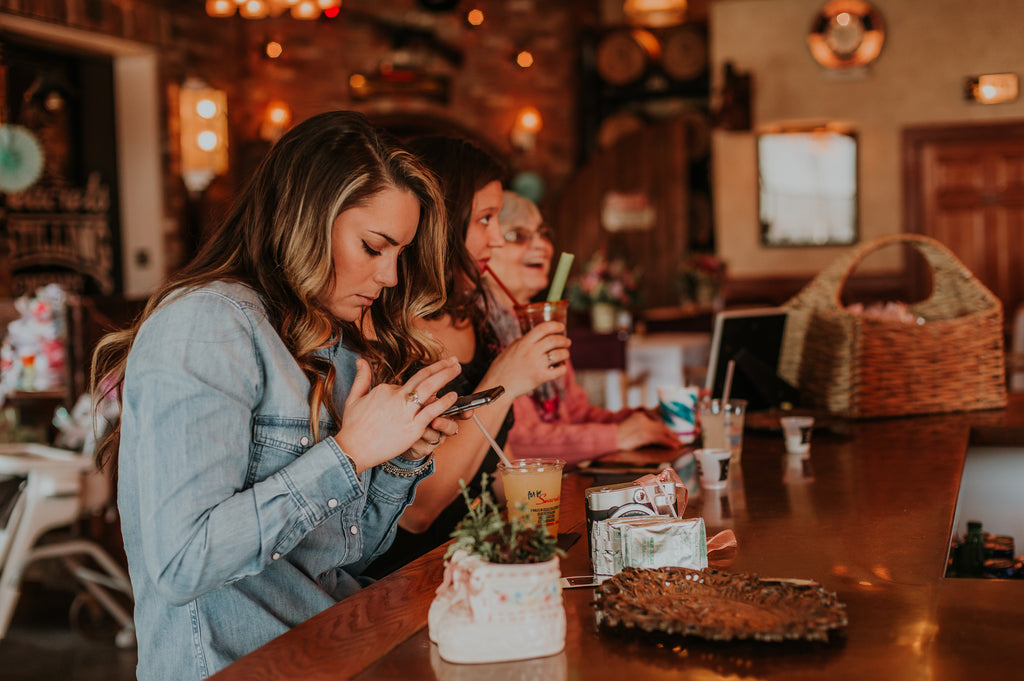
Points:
x=323 y=487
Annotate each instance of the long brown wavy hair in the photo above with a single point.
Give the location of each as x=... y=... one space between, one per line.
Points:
x=463 y=169
x=277 y=240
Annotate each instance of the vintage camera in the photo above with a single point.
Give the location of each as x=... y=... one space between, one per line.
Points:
x=628 y=500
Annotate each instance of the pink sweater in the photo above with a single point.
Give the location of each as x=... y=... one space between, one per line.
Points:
x=580 y=431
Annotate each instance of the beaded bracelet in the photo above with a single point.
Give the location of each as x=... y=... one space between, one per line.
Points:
x=399 y=472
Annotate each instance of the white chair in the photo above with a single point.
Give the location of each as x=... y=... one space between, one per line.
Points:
x=52 y=494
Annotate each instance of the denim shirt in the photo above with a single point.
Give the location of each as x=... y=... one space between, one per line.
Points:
x=236 y=525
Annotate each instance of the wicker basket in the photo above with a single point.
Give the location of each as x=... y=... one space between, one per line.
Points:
x=861 y=367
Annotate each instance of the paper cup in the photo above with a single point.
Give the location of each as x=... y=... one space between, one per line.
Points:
x=797 y=431
x=678 y=407
x=713 y=467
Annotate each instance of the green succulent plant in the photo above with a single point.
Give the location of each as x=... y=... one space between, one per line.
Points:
x=486 y=532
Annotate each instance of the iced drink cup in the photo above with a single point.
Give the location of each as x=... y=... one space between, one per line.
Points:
x=722 y=425
x=537 y=483
x=532 y=314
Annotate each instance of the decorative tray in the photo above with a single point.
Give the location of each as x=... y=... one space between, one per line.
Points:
x=716 y=605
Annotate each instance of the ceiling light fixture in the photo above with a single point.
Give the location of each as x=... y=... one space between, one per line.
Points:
x=657 y=13
x=261 y=9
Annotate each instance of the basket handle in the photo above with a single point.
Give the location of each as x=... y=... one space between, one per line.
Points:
x=950 y=276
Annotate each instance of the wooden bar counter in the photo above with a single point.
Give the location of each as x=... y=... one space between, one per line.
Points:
x=873 y=525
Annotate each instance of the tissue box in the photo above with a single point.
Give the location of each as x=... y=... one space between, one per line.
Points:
x=651 y=542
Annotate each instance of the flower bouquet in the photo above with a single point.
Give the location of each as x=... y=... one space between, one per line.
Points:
x=501 y=598
x=605 y=287
x=700 y=278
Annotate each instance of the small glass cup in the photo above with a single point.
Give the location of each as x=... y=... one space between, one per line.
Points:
x=721 y=425
x=537 y=483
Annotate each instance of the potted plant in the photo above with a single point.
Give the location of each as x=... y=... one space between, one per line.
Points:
x=605 y=288
x=501 y=598
x=700 y=279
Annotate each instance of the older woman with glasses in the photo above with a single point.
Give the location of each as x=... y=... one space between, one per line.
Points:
x=557 y=420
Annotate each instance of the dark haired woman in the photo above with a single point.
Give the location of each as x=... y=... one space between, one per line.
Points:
x=471 y=182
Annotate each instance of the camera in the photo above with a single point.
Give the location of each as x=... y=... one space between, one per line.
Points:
x=628 y=500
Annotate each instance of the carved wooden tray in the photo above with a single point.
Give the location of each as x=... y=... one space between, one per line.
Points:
x=716 y=605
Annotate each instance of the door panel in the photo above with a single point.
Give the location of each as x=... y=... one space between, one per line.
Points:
x=965 y=187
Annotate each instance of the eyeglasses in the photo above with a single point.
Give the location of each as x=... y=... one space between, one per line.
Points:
x=521 y=236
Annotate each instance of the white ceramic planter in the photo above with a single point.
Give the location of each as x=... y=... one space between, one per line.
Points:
x=489 y=612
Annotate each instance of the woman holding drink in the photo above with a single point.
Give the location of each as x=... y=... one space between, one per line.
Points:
x=260 y=465
x=558 y=421
x=471 y=181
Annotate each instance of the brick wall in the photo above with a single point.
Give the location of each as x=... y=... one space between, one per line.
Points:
x=312 y=75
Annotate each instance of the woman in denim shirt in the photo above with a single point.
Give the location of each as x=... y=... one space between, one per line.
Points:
x=261 y=465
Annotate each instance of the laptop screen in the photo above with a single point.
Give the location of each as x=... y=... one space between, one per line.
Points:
x=752 y=340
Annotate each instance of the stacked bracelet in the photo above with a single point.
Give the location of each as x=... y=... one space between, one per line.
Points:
x=399 y=472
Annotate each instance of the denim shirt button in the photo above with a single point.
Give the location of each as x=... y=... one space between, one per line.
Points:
x=303 y=440
x=354 y=529
x=332 y=503
x=275 y=556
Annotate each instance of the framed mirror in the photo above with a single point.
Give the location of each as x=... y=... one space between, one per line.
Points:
x=807 y=187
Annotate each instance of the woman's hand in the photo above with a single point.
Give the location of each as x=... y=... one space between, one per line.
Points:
x=640 y=430
x=390 y=420
x=535 y=358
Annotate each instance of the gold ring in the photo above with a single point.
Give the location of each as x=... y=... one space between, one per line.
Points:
x=411 y=396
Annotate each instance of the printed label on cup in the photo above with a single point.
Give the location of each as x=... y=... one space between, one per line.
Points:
x=678 y=407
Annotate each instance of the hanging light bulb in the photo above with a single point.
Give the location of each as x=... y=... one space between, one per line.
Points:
x=307 y=9
x=221 y=8
x=254 y=9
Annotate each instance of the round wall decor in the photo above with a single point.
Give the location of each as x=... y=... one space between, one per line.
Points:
x=846 y=34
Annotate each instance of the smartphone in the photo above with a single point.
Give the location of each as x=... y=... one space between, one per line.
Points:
x=582 y=581
x=466 y=402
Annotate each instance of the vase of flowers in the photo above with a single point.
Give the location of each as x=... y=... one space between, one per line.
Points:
x=700 y=279
x=501 y=598
x=605 y=288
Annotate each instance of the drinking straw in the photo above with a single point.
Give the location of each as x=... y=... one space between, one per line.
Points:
x=728 y=382
x=494 y=445
x=726 y=412
x=561 y=275
x=487 y=268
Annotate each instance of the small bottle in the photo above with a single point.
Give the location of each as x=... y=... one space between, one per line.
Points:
x=972 y=552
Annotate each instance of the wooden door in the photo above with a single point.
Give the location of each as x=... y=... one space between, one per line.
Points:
x=965 y=188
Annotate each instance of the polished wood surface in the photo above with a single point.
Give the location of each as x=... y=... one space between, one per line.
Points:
x=872 y=525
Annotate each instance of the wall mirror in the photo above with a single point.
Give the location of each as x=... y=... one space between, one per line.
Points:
x=807 y=187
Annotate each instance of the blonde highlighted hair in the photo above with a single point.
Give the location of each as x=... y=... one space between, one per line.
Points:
x=277 y=240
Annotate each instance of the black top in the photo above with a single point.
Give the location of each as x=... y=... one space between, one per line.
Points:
x=409 y=546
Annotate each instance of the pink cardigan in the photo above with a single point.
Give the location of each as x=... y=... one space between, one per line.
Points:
x=581 y=430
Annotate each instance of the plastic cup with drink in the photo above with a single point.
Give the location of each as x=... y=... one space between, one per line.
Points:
x=534 y=487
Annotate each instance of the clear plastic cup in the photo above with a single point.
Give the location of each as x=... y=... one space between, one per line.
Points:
x=721 y=425
x=537 y=484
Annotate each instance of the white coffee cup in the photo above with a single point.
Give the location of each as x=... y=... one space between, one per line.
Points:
x=713 y=467
x=797 y=431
